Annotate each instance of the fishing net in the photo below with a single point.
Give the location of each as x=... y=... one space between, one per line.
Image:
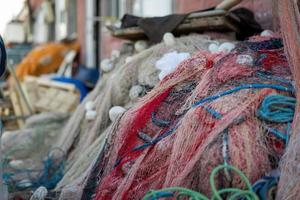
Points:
x=202 y=115
x=35 y=139
x=113 y=90
x=83 y=162
x=72 y=185
x=288 y=18
x=26 y=151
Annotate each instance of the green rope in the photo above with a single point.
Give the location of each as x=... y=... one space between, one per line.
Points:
x=232 y=193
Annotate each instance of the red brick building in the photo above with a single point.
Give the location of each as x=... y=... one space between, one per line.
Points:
x=35 y=3
x=114 y=8
x=261 y=8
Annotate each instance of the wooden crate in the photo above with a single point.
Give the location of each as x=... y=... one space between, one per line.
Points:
x=51 y=96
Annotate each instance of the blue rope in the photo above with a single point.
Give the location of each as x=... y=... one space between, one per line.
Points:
x=277 y=108
x=213 y=112
x=244 y=87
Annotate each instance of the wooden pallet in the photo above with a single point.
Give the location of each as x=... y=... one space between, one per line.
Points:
x=215 y=20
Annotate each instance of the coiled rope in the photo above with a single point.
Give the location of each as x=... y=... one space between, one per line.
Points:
x=232 y=193
x=277 y=108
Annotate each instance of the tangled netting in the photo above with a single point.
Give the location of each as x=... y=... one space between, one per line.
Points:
x=113 y=90
x=28 y=160
x=202 y=115
x=288 y=19
x=234 y=193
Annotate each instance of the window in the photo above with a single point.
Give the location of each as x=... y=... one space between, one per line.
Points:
x=66 y=18
x=152 y=8
x=110 y=8
x=145 y=8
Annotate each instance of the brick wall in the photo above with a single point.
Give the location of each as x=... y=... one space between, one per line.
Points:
x=183 y=6
x=81 y=28
x=35 y=3
x=261 y=8
x=109 y=43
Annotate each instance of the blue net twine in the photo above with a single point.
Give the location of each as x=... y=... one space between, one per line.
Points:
x=49 y=176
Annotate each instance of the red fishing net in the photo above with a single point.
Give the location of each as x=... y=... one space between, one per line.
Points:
x=202 y=115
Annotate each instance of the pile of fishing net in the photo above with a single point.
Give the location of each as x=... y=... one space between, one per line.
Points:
x=81 y=137
x=288 y=21
x=232 y=109
x=28 y=157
